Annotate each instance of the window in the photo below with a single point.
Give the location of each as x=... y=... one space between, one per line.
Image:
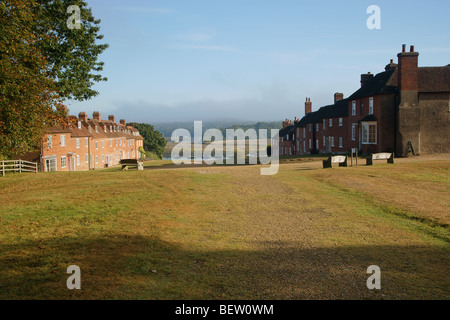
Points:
x=317 y=143
x=79 y=125
x=371 y=106
x=317 y=127
x=304 y=146
x=110 y=142
x=63 y=140
x=103 y=158
x=63 y=162
x=332 y=141
x=340 y=142
x=324 y=142
x=87 y=158
x=49 y=141
x=103 y=144
x=96 y=159
x=353 y=133
x=369 y=133
x=78 y=159
x=341 y=122
x=310 y=127
x=77 y=141
x=353 y=108
x=117 y=142
x=87 y=142
x=330 y=123
x=96 y=145
x=50 y=164
x=96 y=128
x=310 y=144
x=304 y=132
x=323 y=124
x=90 y=129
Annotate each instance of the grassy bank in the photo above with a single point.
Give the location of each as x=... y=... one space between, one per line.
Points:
x=228 y=233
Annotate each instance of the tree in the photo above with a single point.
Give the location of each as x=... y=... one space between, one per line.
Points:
x=43 y=62
x=72 y=53
x=153 y=140
x=27 y=95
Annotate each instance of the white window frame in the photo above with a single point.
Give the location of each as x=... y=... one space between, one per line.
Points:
x=304 y=132
x=86 y=142
x=77 y=142
x=330 y=122
x=353 y=108
x=353 y=132
x=332 y=141
x=341 y=122
x=365 y=130
x=371 y=105
x=324 y=124
x=341 y=142
x=49 y=141
x=62 y=139
x=65 y=162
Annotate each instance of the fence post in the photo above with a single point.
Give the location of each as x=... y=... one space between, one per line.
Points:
x=36 y=167
x=3 y=167
x=20 y=166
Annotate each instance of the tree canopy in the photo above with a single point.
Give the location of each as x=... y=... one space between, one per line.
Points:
x=153 y=140
x=42 y=63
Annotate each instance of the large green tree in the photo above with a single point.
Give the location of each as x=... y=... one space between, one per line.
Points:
x=73 y=53
x=154 y=141
x=27 y=94
x=42 y=63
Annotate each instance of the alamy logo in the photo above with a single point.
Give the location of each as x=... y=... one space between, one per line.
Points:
x=214 y=153
x=374 y=281
x=74 y=281
x=374 y=21
x=74 y=21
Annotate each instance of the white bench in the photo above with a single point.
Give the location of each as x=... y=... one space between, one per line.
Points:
x=380 y=156
x=342 y=160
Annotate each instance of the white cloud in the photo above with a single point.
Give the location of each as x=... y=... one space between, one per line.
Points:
x=207 y=47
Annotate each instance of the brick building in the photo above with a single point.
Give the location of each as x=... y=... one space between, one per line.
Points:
x=404 y=104
x=87 y=144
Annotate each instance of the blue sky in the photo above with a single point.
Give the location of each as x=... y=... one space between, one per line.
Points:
x=185 y=60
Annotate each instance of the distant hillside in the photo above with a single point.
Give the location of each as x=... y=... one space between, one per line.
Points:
x=167 y=128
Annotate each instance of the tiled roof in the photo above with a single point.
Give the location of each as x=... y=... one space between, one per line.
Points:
x=434 y=79
x=339 y=109
x=384 y=82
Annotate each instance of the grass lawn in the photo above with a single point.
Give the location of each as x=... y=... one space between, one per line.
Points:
x=227 y=232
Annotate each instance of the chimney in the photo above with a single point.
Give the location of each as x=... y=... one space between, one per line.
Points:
x=96 y=116
x=83 y=116
x=366 y=78
x=308 y=106
x=123 y=122
x=112 y=118
x=390 y=66
x=338 y=96
x=408 y=74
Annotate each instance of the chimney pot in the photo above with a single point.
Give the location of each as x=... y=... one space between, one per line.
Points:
x=112 y=118
x=404 y=48
x=411 y=49
x=96 y=116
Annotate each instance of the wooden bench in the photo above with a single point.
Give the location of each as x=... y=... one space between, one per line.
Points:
x=342 y=160
x=380 y=156
x=131 y=163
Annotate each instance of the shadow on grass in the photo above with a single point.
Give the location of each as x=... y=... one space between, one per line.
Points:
x=137 y=267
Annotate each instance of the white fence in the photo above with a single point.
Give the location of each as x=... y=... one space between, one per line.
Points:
x=18 y=166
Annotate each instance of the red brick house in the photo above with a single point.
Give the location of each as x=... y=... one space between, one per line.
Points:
x=89 y=144
x=404 y=104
